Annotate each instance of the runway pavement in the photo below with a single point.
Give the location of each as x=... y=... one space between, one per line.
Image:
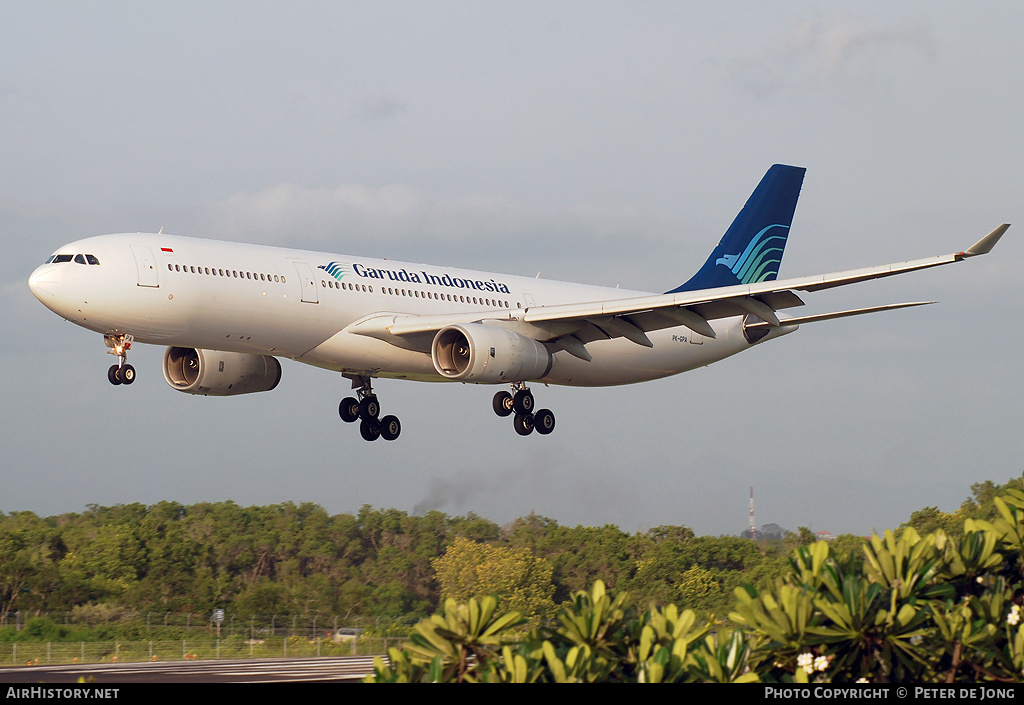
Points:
x=274 y=670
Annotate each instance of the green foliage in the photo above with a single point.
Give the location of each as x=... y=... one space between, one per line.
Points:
x=515 y=577
x=279 y=559
x=451 y=646
x=598 y=639
x=909 y=608
x=939 y=598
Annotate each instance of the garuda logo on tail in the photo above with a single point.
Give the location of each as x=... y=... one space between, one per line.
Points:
x=760 y=261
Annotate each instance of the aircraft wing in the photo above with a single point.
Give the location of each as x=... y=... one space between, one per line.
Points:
x=570 y=326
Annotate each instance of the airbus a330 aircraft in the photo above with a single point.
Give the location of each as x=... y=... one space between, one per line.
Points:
x=228 y=310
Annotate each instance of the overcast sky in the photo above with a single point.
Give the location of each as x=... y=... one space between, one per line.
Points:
x=607 y=143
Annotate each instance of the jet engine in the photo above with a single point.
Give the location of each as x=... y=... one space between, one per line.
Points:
x=474 y=352
x=219 y=374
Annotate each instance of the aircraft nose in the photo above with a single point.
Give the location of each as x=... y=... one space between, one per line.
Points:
x=44 y=282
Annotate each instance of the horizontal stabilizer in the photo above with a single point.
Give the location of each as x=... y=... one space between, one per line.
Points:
x=838 y=314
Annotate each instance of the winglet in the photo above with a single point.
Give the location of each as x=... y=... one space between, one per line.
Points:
x=985 y=244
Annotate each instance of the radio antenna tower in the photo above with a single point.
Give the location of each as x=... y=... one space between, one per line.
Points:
x=753 y=531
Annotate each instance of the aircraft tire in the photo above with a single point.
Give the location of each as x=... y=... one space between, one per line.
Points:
x=523 y=424
x=502 y=403
x=369 y=430
x=127 y=374
x=544 y=421
x=349 y=410
x=369 y=408
x=112 y=375
x=522 y=402
x=390 y=428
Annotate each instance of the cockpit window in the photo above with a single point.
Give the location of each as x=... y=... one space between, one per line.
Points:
x=91 y=259
x=80 y=259
x=58 y=259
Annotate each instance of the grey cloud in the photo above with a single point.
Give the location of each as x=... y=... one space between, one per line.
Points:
x=375 y=106
x=841 y=50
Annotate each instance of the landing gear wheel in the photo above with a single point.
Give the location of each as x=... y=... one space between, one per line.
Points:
x=544 y=421
x=522 y=402
x=369 y=430
x=126 y=374
x=390 y=428
x=502 y=403
x=369 y=408
x=365 y=409
x=122 y=372
x=523 y=424
x=349 y=410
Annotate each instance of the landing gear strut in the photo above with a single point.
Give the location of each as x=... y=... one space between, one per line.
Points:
x=122 y=372
x=521 y=403
x=365 y=409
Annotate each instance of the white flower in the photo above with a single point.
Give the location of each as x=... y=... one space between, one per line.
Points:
x=862 y=679
x=821 y=663
x=1014 y=617
x=806 y=662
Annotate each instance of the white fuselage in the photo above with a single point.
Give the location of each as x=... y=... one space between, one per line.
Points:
x=302 y=305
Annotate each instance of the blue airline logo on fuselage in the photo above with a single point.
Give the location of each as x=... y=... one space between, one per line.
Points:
x=339 y=270
x=335 y=269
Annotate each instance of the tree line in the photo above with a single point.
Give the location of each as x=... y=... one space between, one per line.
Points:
x=378 y=563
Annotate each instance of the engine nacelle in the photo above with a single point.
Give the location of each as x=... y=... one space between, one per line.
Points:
x=220 y=374
x=473 y=352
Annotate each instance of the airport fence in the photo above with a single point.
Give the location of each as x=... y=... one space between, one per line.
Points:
x=133 y=625
x=94 y=636
x=40 y=653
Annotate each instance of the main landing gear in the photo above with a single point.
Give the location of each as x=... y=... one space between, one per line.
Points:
x=365 y=409
x=122 y=372
x=521 y=404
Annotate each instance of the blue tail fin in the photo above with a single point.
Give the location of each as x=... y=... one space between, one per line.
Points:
x=751 y=249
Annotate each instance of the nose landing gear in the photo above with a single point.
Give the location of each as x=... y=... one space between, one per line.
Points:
x=521 y=403
x=122 y=372
x=365 y=409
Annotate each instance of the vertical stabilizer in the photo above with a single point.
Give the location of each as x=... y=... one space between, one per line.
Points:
x=751 y=249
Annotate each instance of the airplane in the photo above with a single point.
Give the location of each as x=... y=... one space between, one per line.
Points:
x=228 y=310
